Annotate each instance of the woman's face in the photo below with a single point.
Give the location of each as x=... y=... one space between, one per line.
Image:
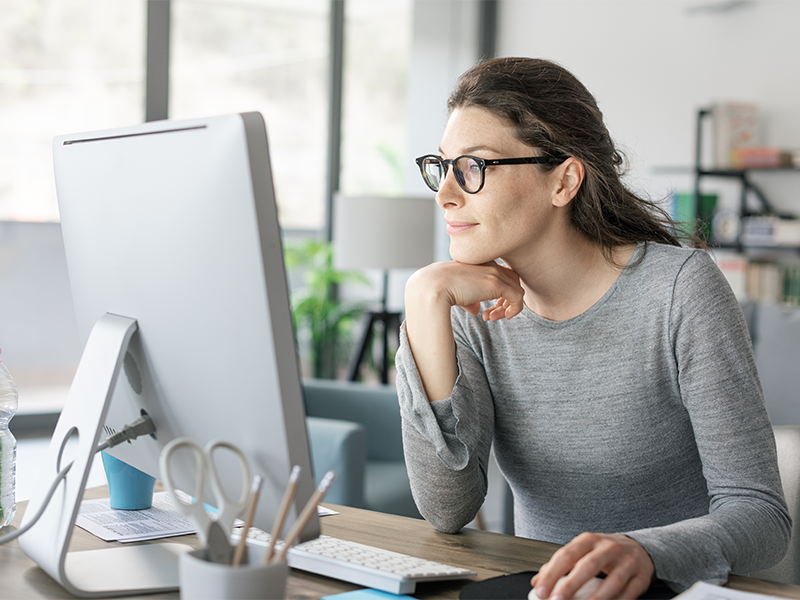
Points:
x=512 y=215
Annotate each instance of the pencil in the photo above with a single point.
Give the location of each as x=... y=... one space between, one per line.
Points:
x=283 y=511
x=309 y=509
x=255 y=492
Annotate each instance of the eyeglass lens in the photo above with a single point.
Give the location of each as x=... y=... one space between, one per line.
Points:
x=467 y=171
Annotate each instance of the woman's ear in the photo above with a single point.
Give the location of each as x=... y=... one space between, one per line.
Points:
x=569 y=177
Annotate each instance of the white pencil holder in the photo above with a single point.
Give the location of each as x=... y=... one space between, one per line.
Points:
x=251 y=580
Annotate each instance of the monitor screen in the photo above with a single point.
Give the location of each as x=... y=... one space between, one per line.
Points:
x=174 y=224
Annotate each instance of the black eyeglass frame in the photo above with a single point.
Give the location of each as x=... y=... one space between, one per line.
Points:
x=482 y=163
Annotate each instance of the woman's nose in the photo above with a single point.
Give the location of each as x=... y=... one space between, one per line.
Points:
x=450 y=193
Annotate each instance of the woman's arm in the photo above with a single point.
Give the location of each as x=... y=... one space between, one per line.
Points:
x=430 y=294
x=445 y=398
x=429 y=333
x=447 y=442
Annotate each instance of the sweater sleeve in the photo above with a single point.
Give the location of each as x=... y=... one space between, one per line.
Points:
x=748 y=525
x=446 y=442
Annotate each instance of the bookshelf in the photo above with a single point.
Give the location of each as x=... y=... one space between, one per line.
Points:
x=749 y=188
x=767 y=280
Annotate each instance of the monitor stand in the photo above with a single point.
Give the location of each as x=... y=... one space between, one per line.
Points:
x=116 y=571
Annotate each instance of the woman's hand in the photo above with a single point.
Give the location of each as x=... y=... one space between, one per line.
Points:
x=627 y=566
x=431 y=292
x=465 y=285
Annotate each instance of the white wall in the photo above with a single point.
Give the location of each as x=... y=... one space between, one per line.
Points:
x=652 y=64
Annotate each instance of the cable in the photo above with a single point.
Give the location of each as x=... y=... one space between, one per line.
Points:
x=15 y=534
x=141 y=426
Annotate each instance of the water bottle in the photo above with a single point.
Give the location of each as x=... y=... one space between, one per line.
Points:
x=8 y=446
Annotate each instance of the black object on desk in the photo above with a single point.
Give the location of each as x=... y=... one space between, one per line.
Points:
x=517 y=586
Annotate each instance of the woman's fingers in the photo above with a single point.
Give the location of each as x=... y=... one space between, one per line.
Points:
x=502 y=309
x=495 y=282
x=496 y=312
x=625 y=563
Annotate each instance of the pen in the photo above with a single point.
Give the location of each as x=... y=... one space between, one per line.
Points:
x=305 y=516
x=255 y=492
x=277 y=527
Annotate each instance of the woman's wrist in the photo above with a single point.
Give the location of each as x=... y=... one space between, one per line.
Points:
x=430 y=335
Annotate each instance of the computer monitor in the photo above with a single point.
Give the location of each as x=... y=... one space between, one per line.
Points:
x=173 y=225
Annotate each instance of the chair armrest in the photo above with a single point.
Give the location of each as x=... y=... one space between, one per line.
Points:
x=340 y=446
x=787 y=442
x=777 y=345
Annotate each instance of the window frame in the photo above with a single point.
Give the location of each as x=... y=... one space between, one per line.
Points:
x=157 y=92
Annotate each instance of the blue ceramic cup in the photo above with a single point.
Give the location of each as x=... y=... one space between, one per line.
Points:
x=128 y=487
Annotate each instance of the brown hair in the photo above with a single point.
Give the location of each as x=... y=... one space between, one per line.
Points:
x=553 y=111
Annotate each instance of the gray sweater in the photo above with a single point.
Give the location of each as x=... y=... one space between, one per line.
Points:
x=643 y=415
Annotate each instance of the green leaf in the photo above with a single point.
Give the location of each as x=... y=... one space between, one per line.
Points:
x=316 y=309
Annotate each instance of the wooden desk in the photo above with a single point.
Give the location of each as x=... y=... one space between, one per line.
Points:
x=488 y=554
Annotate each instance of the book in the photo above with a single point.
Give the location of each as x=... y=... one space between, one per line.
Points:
x=734 y=267
x=760 y=157
x=366 y=594
x=770 y=231
x=773 y=283
x=707 y=591
x=735 y=125
x=692 y=219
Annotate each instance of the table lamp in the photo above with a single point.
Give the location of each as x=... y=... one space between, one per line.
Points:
x=381 y=233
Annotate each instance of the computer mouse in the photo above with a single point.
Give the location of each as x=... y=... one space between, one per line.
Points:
x=583 y=592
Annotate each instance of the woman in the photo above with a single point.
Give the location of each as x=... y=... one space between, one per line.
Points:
x=610 y=366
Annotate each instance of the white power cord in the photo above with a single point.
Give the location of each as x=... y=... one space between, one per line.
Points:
x=142 y=426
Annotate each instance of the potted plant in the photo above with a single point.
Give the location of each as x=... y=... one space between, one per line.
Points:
x=322 y=319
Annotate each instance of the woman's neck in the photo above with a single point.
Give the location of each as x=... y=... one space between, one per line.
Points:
x=569 y=276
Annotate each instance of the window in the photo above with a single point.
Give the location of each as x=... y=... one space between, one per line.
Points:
x=71 y=65
x=269 y=56
x=79 y=65
x=377 y=49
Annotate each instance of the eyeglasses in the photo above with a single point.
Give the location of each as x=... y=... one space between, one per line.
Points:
x=470 y=170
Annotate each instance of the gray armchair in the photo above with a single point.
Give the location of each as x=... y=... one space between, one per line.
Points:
x=343 y=418
x=787 y=440
x=775 y=331
x=340 y=446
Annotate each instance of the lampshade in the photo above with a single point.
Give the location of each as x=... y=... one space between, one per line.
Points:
x=384 y=233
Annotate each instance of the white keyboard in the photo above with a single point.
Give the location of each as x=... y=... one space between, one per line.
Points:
x=360 y=564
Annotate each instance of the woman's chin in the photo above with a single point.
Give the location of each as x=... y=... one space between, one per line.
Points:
x=471 y=258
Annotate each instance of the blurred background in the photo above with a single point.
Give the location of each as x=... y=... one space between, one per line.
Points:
x=352 y=91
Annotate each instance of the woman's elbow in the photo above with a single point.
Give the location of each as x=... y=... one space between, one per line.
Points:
x=445 y=522
x=443 y=515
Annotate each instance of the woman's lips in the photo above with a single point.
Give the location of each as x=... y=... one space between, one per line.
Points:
x=454 y=227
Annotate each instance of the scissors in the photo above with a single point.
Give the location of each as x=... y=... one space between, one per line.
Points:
x=213 y=533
